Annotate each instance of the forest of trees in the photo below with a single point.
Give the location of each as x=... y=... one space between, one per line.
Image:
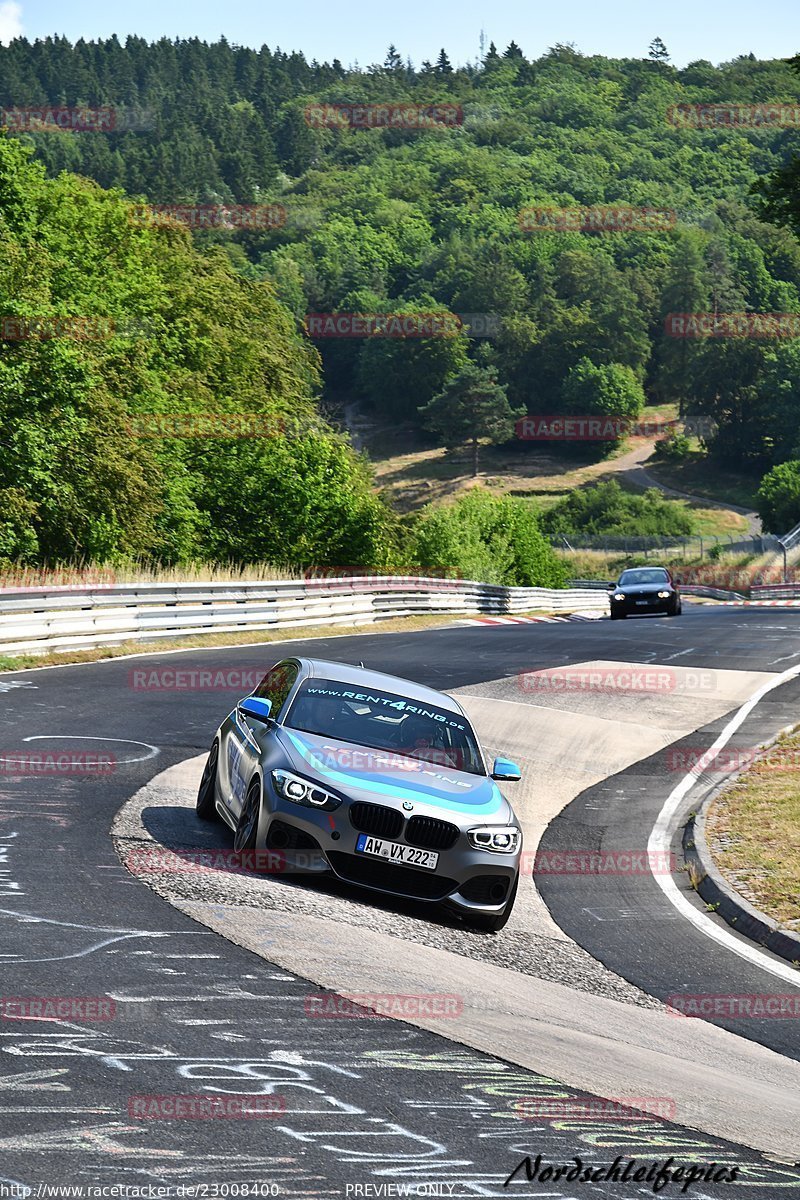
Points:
x=377 y=220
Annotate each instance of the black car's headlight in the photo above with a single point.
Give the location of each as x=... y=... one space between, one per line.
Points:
x=303 y=791
x=619 y=595
x=664 y=595
x=503 y=839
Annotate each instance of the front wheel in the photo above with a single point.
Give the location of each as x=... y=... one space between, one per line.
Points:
x=247 y=825
x=618 y=616
x=494 y=922
x=205 y=806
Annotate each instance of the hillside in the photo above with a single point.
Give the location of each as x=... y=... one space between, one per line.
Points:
x=428 y=218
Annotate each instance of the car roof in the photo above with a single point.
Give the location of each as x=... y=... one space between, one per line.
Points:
x=362 y=677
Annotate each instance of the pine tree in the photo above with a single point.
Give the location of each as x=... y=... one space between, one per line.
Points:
x=443 y=66
x=472 y=407
x=658 y=51
x=393 y=62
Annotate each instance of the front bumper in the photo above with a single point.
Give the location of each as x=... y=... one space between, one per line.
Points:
x=305 y=840
x=632 y=608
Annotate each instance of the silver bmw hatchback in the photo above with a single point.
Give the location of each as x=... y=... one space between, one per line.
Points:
x=333 y=768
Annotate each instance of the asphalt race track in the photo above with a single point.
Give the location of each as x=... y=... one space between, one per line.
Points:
x=366 y=1103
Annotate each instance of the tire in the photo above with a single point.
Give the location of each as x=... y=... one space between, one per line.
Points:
x=247 y=825
x=205 y=806
x=494 y=922
x=618 y=616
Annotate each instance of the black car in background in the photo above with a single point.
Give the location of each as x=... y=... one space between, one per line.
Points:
x=641 y=590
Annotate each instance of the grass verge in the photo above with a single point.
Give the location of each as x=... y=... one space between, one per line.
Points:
x=700 y=476
x=752 y=829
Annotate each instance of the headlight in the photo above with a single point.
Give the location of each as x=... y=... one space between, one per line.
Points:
x=619 y=595
x=663 y=595
x=504 y=839
x=303 y=791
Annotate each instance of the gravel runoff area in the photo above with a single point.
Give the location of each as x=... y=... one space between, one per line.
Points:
x=161 y=817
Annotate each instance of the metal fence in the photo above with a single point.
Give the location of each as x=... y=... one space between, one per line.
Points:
x=683 y=547
x=35 y=621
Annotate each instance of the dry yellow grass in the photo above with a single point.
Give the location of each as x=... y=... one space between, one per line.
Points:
x=753 y=831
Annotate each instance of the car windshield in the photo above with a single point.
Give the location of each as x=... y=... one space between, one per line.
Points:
x=385 y=721
x=644 y=575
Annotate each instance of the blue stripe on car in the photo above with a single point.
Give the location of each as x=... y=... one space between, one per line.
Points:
x=370 y=783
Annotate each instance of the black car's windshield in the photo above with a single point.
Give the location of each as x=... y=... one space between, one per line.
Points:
x=644 y=575
x=384 y=721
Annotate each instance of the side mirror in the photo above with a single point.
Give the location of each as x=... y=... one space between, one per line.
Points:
x=503 y=768
x=255 y=707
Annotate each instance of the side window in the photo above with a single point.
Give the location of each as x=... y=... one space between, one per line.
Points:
x=276 y=685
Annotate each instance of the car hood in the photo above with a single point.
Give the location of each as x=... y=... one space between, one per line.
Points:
x=384 y=775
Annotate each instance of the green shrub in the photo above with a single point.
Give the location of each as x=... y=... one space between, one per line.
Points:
x=495 y=539
x=778 y=497
x=605 y=509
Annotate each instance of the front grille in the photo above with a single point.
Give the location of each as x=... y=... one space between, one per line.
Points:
x=376 y=819
x=281 y=836
x=431 y=834
x=486 y=889
x=388 y=877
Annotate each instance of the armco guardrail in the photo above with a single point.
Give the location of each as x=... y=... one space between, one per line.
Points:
x=36 y=621
x=775 y=591
x=710 y=593
x=598 y=585
x=688 y=589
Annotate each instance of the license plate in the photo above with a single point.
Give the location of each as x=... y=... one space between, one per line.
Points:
x=395 y=852
x=642 y=601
